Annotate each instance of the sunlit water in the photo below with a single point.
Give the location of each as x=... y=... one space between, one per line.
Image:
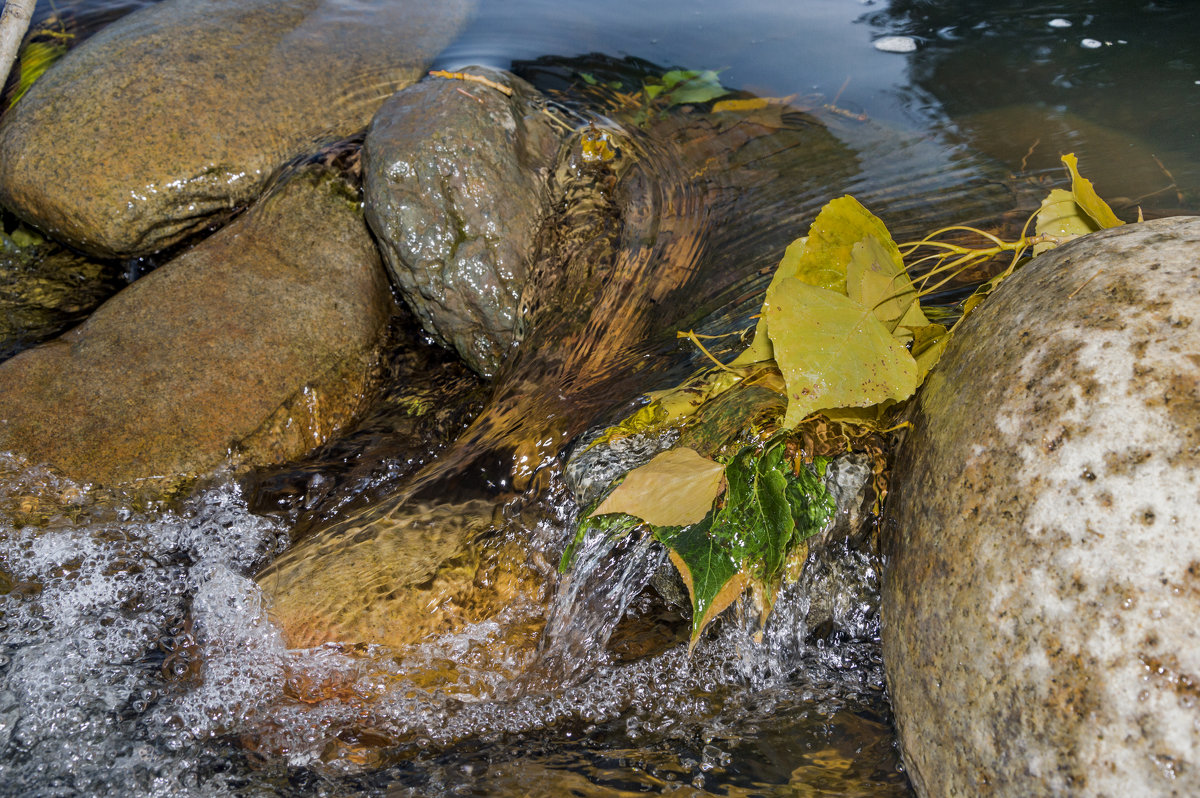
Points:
x=136 y=657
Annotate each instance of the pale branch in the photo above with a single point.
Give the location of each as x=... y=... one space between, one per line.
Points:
x=13 y=24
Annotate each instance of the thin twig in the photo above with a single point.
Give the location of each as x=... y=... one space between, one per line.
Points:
x=1084 y=283
x=1025 y=159
x=691 y=336
x=491 y=84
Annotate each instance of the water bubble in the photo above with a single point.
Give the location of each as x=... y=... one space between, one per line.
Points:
x=1059 y=22
x=1091 y=44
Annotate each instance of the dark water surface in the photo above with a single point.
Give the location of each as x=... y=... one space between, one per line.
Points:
x=135 y=658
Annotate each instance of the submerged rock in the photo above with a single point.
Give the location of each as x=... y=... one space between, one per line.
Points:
x=170 y=118
x=258 y=343
x=1042 y=560
x=44 y=289
x=455 y=178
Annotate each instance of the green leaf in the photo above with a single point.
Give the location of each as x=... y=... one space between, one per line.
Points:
x=713 y=579
x=833 y=352
x=613 y=526
x=876 y=279
x=693 y=87
x=768 y=511
x=756 y=518
x=676 y=488
x=676 y=76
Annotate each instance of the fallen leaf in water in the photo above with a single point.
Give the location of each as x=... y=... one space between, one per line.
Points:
x=676 y=488
x=833 y=352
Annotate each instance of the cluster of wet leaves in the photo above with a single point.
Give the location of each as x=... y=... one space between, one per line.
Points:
x=841 y=341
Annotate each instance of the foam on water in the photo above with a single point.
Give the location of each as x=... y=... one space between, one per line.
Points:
x=97 y=644
x=138 y=659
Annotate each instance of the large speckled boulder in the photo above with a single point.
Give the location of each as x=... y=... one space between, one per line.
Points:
x=1042 y=573
x=182 y=111
x=455 y=175
x=256 y=344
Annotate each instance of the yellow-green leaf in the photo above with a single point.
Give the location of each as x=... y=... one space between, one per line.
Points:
x=928 y=344
x=1061 y=216
x=1086 y=196
x=840 y=225
x=676 y=488
x=876 y=279
x=36 y=57
x=833 y=352
x=680 y=402
x=644 y=419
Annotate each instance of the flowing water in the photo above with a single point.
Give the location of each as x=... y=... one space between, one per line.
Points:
x=136 y=657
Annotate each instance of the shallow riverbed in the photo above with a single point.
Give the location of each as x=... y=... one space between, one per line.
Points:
x=135 y=655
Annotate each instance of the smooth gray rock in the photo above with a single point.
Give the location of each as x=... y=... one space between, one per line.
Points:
x=254 y=346
x=1042 y=552
x=168 y=119
x=455 y=178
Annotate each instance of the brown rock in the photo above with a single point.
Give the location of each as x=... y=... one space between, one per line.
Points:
x=258 y=343
x=1042 y=571
x=178 y=113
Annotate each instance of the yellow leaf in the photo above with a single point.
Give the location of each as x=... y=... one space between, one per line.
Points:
x=760 y=348
x=1086 y=196
x=876 y=279
x=823 y=260
x=641 y=420
x=751 y=104
x=1060 y=216
x=676 y=488
x=833 y=352
x=929 y=342
x=740 y=105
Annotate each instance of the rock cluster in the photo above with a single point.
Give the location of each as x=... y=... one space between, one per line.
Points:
x=258 y=342
x=164 y=122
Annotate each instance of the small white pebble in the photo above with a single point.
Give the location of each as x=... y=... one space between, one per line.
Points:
x=896 y=44
x=1091 y=44
x=1059 y=23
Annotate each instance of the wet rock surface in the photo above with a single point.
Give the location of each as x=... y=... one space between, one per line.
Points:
x=44 y=289
x=455 y=179
x=1042 y=559
x=167 y=120
x=256 y=344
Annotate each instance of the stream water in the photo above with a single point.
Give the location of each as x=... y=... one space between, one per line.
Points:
x=136 y=657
